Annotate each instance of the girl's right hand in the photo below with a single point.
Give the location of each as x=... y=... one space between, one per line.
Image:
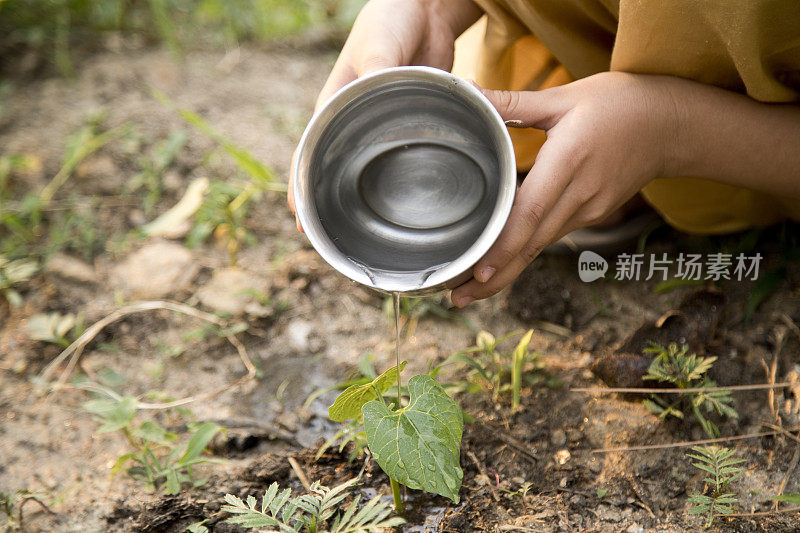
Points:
x=393 y=33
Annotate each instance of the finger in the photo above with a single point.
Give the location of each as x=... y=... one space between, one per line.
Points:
x=290 y=193
x=342 y=74
x=538 y=194
x=475 y=290
x=564 y=217
x=528 y=109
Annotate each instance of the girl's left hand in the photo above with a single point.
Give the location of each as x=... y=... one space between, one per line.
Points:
x=608 y=135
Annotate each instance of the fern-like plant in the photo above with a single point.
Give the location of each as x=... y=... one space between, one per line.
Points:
x=687 y=371
x=722 y=468
x=311 y=512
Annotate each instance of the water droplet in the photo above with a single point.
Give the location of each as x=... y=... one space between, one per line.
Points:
x=431 y=466
x=375 y=455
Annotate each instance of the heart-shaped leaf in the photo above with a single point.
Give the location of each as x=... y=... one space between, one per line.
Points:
x=348 y=404
x=419 y=445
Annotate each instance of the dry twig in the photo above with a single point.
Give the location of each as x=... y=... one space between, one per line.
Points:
x=643 y=390
x=298 y=471
x=74 y=350
x=482 y=472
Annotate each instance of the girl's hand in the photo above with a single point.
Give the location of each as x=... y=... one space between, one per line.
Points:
x=607 y=137
x=393 y=33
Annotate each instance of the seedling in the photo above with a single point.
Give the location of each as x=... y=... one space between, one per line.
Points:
x=13 y=274
x=55 y=328
x=417 y=445
x=720 y=464
x=674 y=365
x=496 y=371
x=11 y=505
x=352 y=431
x=412 y=310
x=157 y=458
x=314 y=512
x=222 y=215
x=153 y=166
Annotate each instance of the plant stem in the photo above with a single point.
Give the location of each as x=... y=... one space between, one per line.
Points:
x=398 y=499
x=396 y=300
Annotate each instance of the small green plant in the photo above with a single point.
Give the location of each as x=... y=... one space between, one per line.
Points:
x=13 y=274
x=790 y=498
x=55 y=328
x=11 y=505
x=687 y=371
x=414 y=309
x=224 y=210
x=153 y=166
x=157 y=457
x=223 y=216
x=721 y=466
x=314 y=512
x=417 y=444
x=497 y=371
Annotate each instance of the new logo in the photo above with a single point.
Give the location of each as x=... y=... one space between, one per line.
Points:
x=591 y=266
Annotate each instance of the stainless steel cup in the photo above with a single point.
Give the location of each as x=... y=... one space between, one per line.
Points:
x=404 y=179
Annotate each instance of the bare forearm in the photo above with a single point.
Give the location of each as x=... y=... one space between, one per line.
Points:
x=731 y=138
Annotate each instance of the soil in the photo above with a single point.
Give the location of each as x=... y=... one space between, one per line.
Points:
x=536 y=469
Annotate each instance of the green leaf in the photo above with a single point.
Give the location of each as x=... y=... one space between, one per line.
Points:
x=113 y=414
x=120 y=464
x=152 y=432
x=791 y=498
x=348 y=404
x=197 y=443
x=419 y=445
x=173 y=486
x=516 y=374
x=197 y=527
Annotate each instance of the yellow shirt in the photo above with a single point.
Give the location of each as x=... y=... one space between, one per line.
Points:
x=748 y=46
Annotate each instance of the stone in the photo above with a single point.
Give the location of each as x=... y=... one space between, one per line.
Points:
x=71 y=269
x=561 y=456
x=298 y=332
x=234 y=291
x=558 y=438
x=157 y=270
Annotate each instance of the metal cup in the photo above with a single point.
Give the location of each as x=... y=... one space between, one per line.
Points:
x=404 y=179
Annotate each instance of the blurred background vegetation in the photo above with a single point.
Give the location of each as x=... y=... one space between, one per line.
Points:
x=52 y=32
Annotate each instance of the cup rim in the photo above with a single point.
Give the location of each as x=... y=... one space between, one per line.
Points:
x=303 y=193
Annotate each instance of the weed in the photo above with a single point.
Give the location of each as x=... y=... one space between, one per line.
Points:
x=157 y=458
x=352 y=431
x=153 y=166
x=720 y=464
x=311 y=512
x=197 y=527
x=674 y=365
x=11 y=505
x=13 y=274
x=790 y=498
x=56 y=328
x=496 y=371
x=224 y=208
x=219 y=216
x=31 y=225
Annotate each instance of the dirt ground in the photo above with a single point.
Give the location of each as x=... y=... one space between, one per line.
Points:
x=260 y=99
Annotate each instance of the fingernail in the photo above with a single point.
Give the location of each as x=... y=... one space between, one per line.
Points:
x=485 y=274
x=514 y=123
x=462 y=301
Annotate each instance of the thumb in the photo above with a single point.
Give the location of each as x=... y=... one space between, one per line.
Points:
x=527 y=109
